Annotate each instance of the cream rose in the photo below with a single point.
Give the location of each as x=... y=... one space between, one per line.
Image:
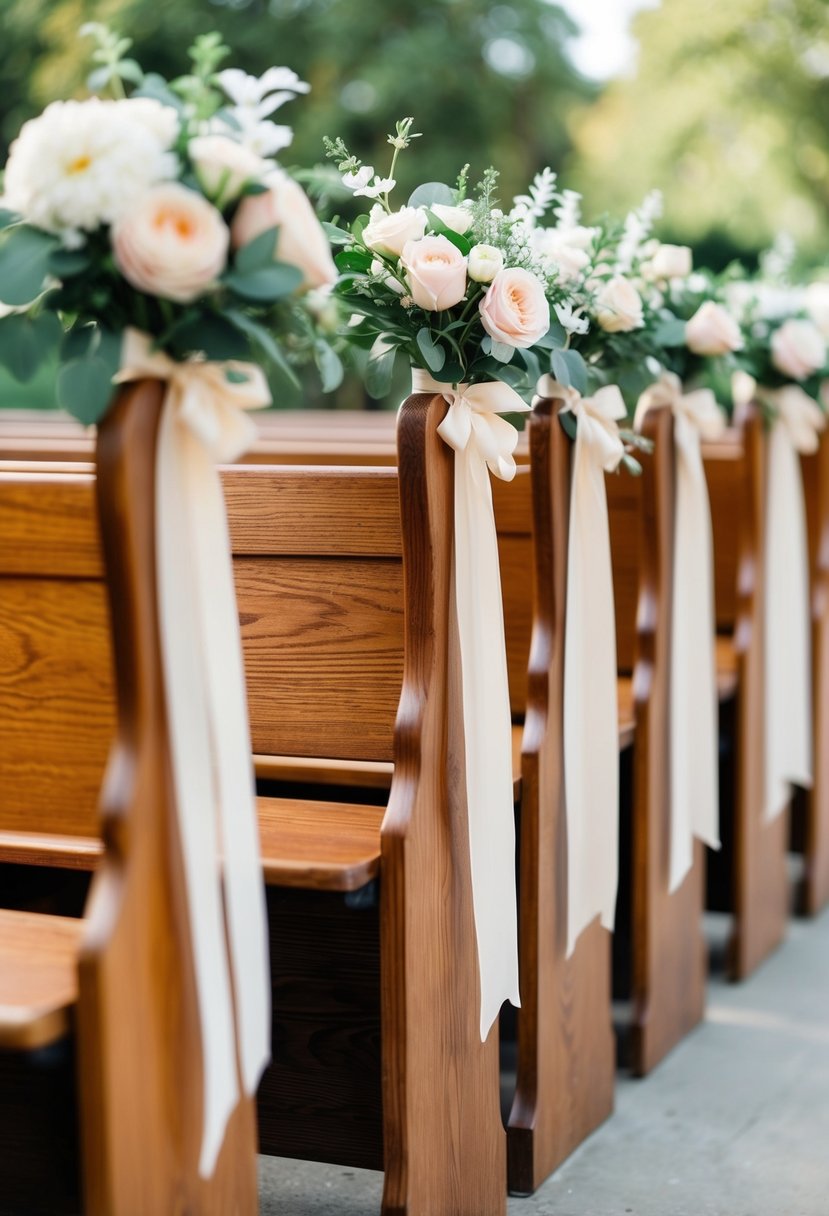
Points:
x=435 y=271
x=223 y=167
x=619 y=306
x=670 y=262
x=712 y=331
x=388 y=234
x=515 y=310
x=171 y=243
x=561 y=251
x=459 y=219
x=300 y=241
x=798 y=349
x=484 y=263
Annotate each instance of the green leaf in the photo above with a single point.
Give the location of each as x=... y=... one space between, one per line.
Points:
x=64 y=263
x=77 y=342
x=353 y=259
x=380 y=368
x=555 y=337
x=257 y=253
x=433 y=354
x=432 y=192
x=336 y=235
x=569 y=369
x=502 y=351
x=84 y=388
x=670 y=331
x=7 y=218
x=329 y=365
x=129 y=70
x=24 y=263
x=212 y=335
x=568 y=423
x=26 y=344
x=438 y=227
x=272 y=282
x=156 y=86
x=632 y=465
x=266 y=342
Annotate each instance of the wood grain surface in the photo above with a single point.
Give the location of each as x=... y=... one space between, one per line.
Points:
x=38 y=978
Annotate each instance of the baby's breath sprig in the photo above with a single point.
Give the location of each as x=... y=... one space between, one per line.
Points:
x=335 y=149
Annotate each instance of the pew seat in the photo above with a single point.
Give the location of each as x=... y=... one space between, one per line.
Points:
x=304 y=844
x=38 y=978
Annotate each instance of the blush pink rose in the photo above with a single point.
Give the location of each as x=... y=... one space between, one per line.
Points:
x=515 y=310
x=170 y=242
x=712 y=331
x=300 y=242
x=435 y=271
x=798 y=349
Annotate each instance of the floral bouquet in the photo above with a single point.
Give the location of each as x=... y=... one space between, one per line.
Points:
x=449 y=280
x=161 y=212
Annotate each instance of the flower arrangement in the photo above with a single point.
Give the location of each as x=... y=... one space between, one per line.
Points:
x=448 y=280
x=162 y=212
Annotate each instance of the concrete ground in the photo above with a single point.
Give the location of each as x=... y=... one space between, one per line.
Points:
x=734 y=1123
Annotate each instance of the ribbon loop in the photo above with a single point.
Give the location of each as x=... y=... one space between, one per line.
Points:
x=800 y=414
x=694 y=764
x=207 y=717
x=481 y=439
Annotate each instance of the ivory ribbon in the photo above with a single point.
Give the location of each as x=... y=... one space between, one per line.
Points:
x=694 y=763
x=788 y=692
x=203 y=422
x=591 y=718
x=482 y=440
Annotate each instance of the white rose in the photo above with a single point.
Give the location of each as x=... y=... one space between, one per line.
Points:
x=223 y=167
x=379 y=269
x=459 y=219
x=817 y=305
x=798 y=349
x=619 y=306
x=560 y=252
x=388 y=234
x=712 y=331
x=171 y=243
x=484 y=263
x=669 y=262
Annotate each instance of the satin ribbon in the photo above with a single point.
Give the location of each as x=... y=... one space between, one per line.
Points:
x=694 y=761
x=787 y=637
x=202 y=422
x=482 y=440
x=591 y=717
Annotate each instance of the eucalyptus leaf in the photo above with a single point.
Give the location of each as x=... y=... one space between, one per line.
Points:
x=670 y=331
x=555 y=337
x=502 y=351
x=438 y=227
x=64 y=263
x=434 y=355
x=24 y=263
x=329 y=365
x=432 y=192
x=257 y=253
x=272 y=282
x=212 y=335
x=632 y=465
x=26 y=343
x=336 y=235
x=380 y=368
x=568 y=423
x=84 y=388
x=266 y=342
x=7 y=218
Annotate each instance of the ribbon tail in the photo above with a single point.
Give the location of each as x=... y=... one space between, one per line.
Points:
x=787 y=634
x=591 y=728
x=694 y=757
x=487 y=735
x=179 y=471
x=244 y=889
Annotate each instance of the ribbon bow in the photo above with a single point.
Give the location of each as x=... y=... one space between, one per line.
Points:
x=202 y=421
x=800 y=414
x=591 y=726
x=694 y=772
x=482 y=440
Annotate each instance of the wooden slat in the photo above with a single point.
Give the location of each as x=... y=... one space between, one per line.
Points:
x=626 y=710
x=727 y=666
x=321 y=846
x=38 y=978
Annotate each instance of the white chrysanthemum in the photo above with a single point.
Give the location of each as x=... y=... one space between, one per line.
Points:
x=80 y=163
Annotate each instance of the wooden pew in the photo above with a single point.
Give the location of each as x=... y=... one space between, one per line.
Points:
x=322 y=614
x=811 y=808
x=659 y=949
x=748 y=877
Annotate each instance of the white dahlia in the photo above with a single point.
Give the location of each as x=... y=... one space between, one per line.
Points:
x=80 y=163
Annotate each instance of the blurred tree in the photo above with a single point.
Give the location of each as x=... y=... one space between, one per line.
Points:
x=486 y=82
x=729 y=114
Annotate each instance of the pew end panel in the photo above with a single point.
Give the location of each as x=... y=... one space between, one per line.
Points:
x=754 y=869
x=438 y=1077
x=566 y=1052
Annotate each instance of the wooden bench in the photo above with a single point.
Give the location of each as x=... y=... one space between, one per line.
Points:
x=748 y=878
x=322 y=610
x=660 y=958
